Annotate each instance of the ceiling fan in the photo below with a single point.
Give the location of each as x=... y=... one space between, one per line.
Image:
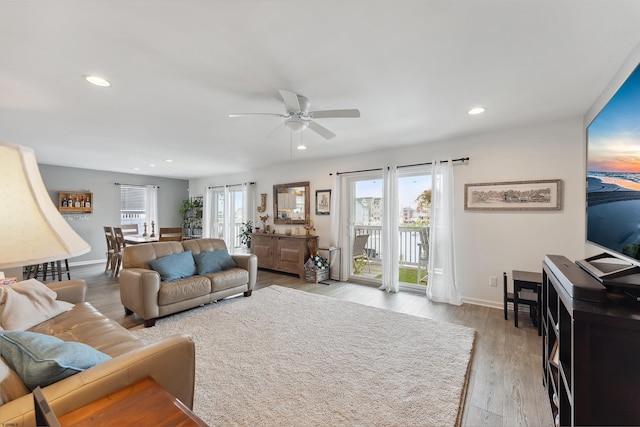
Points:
x=298 y=117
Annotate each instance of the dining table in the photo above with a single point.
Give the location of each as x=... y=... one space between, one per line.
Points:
x=136 y=239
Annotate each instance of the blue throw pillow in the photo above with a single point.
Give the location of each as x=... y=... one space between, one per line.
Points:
x=175 y=266
x=214 y=261
x=40 y=360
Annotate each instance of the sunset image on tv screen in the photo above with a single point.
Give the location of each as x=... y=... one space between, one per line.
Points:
x=613 y=172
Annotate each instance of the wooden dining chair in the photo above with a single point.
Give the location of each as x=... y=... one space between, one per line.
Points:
x=170 y=234
x=118 y=250
x=110 y=237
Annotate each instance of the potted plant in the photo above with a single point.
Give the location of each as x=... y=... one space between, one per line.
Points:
x=245 y=233
x=191 y=212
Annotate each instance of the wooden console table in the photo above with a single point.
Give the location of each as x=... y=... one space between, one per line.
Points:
x=144 y=403
x=283 y=253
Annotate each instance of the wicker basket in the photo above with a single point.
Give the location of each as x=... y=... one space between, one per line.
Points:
x=315 y=276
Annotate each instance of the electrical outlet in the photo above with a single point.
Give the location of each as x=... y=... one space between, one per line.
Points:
x=493 y=281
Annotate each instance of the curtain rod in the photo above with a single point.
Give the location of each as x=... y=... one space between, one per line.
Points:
x=361 y=170
x=461 y=159
x=136 y=185
x=232 y=185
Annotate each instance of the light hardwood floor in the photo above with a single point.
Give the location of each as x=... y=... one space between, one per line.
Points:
x=505 y=384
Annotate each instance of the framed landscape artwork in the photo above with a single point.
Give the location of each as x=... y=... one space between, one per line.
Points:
x=323 y=202
x=541 y=195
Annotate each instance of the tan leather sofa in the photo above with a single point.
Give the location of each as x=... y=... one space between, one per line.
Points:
x=142 y=291
x=171 y=362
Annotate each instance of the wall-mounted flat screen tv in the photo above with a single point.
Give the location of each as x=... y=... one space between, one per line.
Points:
x=613 y=174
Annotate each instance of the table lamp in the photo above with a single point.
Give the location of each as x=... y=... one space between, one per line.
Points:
x=32 y=231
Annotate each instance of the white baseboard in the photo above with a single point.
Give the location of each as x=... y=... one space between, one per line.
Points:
x=493 y=304
x=483 y=302
x=89 y=262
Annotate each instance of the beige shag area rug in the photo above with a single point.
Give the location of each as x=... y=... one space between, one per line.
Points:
x=284 y=357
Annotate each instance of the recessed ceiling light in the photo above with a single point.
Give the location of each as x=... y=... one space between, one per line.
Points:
x=151 y=165
x=301 y=147
x=98 y=81
x=169 y=161
x=476 y=110
x=136 y=169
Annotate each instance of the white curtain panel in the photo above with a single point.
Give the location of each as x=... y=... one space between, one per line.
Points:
x=390 y=236
x=229 y=219
x=207 y=212
x=211 y=221
x=442 y=270
x=335 y=212
x=249 y=202
x=152 y=207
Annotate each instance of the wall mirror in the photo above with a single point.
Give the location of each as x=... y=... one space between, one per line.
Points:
x=291 y=203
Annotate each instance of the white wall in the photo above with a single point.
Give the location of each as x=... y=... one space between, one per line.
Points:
x=488 y=243
x=106 y=202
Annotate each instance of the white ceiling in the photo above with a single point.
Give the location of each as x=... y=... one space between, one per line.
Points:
x=179 y=67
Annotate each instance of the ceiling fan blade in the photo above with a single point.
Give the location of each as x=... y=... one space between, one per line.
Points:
x=321 y=130
x=256 y=114
x=334 y=114
x=290 y=100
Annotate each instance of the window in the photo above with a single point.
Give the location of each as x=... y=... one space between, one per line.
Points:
x=133 y=203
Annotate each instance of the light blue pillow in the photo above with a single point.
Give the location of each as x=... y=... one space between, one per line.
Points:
x=214 y=261
x=175 y=266
x=40 y=360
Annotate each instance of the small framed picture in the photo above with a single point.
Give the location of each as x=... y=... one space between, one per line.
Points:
x=323 y=202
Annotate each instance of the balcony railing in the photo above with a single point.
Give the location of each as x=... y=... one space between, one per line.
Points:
x=235 y=237
x=409 y=243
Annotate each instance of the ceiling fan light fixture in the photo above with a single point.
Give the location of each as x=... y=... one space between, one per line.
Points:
x=296 y=125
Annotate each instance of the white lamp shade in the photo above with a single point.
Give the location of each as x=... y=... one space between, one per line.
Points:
x=32 y=231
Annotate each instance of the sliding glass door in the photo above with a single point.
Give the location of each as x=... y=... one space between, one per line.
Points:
x=223 y=213
x=365 y=225
x=366 y=220
x=414 y=189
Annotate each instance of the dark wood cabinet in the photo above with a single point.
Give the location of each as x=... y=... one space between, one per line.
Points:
x=590 y=350
x=283 y=253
